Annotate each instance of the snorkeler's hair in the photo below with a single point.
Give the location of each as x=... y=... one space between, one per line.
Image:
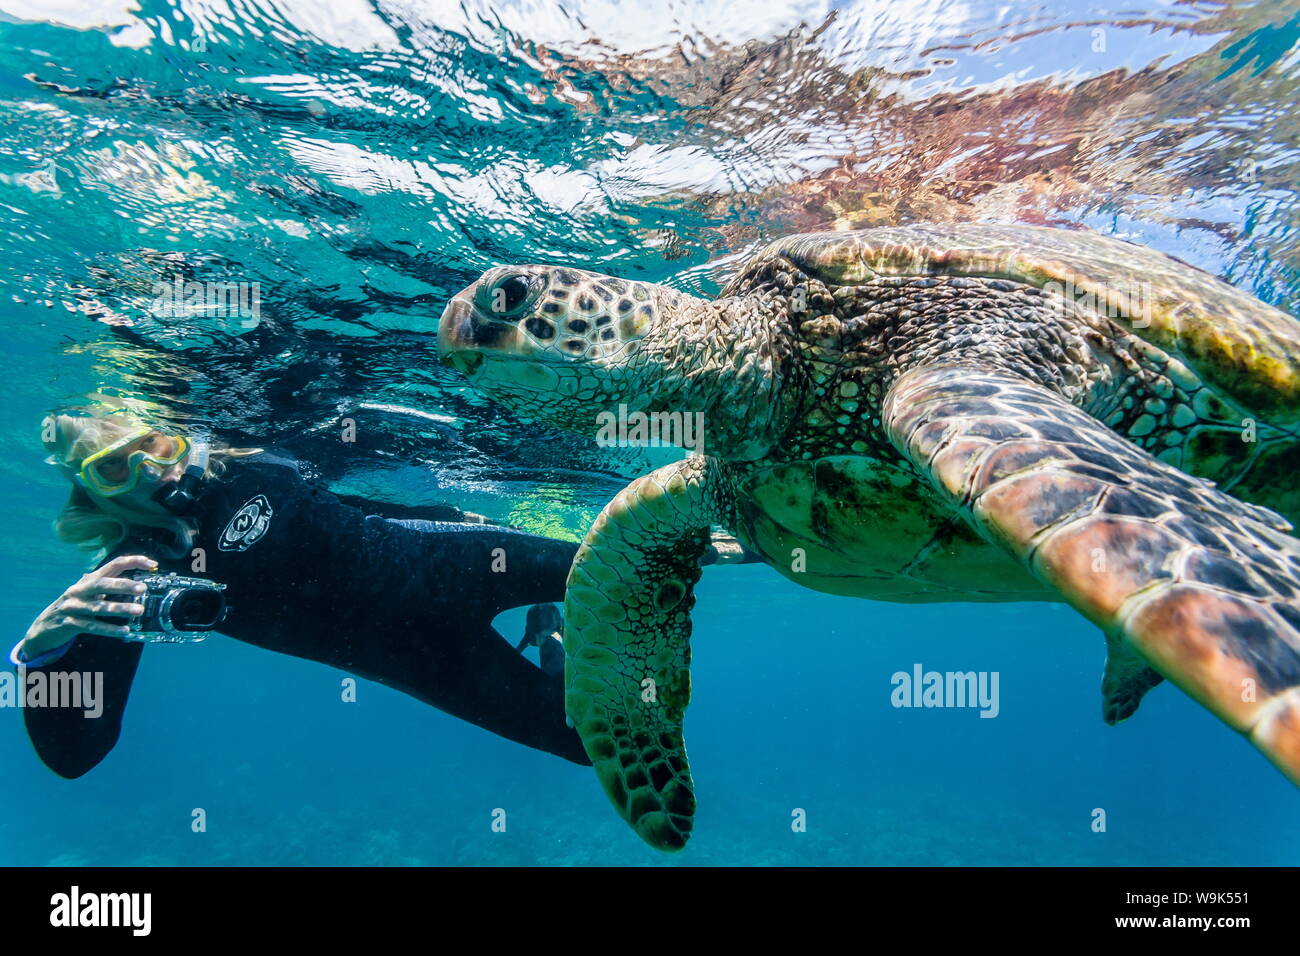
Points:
x=98 y=524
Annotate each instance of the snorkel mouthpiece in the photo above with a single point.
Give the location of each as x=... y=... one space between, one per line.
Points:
x=181 y=497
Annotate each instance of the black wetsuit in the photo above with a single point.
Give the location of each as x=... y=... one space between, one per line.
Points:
x=389 y=597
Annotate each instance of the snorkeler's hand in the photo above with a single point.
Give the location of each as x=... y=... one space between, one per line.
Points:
x=89 y=605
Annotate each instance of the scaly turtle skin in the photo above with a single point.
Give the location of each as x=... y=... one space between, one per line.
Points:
x=949 y=413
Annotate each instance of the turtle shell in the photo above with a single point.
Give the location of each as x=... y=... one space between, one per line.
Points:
x=1236 y=344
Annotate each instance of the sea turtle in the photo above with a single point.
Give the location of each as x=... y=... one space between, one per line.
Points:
x=923 y=413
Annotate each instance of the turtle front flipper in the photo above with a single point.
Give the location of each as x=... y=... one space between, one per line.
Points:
x=1203 y=586
x=626 y=641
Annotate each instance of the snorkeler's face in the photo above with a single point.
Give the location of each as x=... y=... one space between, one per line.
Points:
x=129 y=470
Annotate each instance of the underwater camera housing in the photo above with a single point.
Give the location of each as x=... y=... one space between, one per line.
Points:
x=177 y=609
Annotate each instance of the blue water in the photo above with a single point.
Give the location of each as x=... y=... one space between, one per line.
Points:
x=363 y=164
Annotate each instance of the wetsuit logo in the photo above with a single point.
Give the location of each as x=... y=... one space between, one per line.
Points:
x=248 y=525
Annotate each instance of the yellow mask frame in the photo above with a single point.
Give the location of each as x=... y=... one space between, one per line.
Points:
x=91 y=474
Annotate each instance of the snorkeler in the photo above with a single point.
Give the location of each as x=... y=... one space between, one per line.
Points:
x=401 y=595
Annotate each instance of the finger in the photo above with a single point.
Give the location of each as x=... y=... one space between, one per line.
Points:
x=89 y=625
x=118 y=587
x=125 y=562
x=94 y=608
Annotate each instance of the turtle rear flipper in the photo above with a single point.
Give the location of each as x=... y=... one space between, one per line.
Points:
x=1202 y=585
x=1126 y=680
x=626 y=640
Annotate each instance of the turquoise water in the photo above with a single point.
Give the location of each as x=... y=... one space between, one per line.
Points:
x=362 y=164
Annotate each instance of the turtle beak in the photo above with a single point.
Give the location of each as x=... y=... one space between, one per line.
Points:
x=460 y=334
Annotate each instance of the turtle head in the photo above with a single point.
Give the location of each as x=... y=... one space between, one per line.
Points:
x=571 y=348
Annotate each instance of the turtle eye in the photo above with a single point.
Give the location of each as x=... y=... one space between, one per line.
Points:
x=510 y=293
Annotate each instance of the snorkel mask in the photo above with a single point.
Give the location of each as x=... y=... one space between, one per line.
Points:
x=107 y=475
